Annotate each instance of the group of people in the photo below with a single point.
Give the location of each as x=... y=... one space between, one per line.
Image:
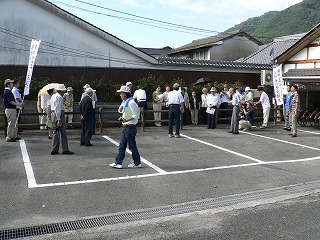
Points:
x=60 y=100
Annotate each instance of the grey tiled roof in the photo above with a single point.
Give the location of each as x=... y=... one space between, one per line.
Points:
x=312 y=72
x=212 y=40
x=156 y=51
x=269 y=52
x=211 y=63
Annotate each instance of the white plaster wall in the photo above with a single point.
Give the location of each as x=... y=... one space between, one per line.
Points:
x=63 y=43
x=286 y=67
x=302 y=55
x=305 y=66
x=314 y=52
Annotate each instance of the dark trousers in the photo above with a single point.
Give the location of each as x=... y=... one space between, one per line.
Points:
x=128 y=137
x=174 y=116
x=143 y=104
x=212 y=119
x=204 y=114
x=224 y=114
x=93 y=123
x=86 y=132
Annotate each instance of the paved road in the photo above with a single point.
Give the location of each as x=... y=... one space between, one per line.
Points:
x=205 y=164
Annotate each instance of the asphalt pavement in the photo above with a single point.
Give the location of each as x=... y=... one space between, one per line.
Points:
x=237 y=186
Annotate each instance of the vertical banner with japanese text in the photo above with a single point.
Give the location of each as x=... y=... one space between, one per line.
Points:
x=278 y=84
x=32 y=58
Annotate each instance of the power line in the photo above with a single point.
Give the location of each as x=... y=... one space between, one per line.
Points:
x=62 y=50
x=146 y=21
x=150 y=19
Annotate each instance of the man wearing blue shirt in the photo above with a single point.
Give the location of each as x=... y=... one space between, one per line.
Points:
x=10 y=105
x=286 y=110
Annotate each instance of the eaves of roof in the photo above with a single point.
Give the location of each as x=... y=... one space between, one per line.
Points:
x=302 y=73
x=54 y=9
x=212 y=63
x=213 y=40
x=312 y=35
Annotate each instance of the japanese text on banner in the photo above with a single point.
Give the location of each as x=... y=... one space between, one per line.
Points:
x=32 y=58
x=278 y=84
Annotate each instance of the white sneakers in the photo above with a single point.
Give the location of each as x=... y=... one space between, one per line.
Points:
x=132 y=165
x=119 y=166
x=114 y=165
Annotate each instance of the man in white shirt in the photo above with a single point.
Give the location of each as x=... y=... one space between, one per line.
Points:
x=176 y=107
x=265 y=102
x=140 y=97
x=17 y=96
x=59 y=121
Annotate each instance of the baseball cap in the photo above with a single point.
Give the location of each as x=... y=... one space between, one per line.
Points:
x=8 y=81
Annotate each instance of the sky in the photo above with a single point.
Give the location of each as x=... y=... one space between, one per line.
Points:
x=173 y=23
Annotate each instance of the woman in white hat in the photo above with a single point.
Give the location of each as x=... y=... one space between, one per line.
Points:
x=249 y=95
x=68 y=106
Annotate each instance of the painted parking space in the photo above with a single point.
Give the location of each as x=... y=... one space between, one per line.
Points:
x=196 y=151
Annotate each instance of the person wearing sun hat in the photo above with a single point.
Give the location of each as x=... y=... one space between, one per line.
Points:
x=129 y=120
x=249 y=94
x=68 y=106
x=213 y=102
x=58 y=121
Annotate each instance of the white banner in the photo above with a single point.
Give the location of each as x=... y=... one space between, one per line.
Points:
x=32 y=58
x=278 y=84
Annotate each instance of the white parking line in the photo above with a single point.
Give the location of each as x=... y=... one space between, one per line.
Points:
x=27 y=165
x=223 y=149
x=283 y=141
x=142 y=159
x=317 y=133
x=160 y=172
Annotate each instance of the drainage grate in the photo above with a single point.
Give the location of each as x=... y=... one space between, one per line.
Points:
x=154 y=213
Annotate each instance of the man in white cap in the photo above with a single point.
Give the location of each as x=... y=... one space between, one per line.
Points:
x=68 y=106
x=213 y=103
x=10 y=105
x=129 y=119
x=59 y=122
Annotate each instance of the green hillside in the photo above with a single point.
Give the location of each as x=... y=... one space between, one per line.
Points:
x=298 y=18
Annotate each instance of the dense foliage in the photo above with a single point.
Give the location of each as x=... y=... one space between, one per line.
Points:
x=107 y=90
x=298 y=18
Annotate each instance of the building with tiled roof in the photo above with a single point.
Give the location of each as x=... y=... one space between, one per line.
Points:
x=227 y=46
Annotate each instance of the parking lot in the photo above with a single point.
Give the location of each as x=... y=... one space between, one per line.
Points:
x=38 y=188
